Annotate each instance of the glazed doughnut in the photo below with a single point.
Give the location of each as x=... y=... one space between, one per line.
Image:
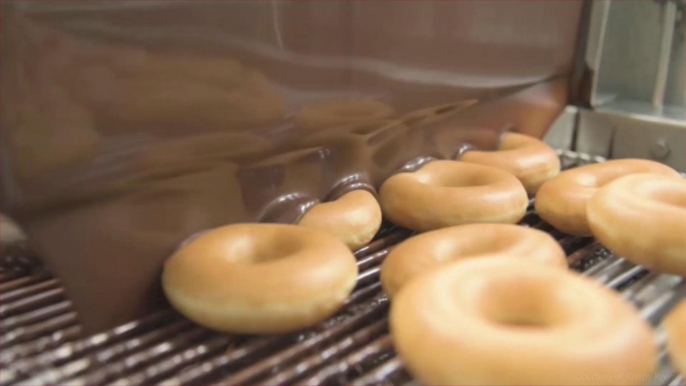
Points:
x=674 y=325
x=354 y=218
x=642 y=217
x=445 y=193
x=423 y=253
x=505 y=321
x=529 y=159
x=260 y=278
x=561 y=201
x=135 y=223
x=330 y=113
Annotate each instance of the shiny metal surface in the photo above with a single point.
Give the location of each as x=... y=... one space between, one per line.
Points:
x=599 y=11
x=129 y=126
x=560 y=135
x=635 y=53
x=634 y=130
x=634 y=82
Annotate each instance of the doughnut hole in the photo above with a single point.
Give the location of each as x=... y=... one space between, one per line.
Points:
x=661 y=192
x=260 y=278
x=532 y=304
x=489 y=242
x=446 y=193
x=562 y=201
x=248 y=249
x=642 y=217
x=599 y=176
x=469 y=178
x=432 y=250
x=527 y=158
x=533 y=324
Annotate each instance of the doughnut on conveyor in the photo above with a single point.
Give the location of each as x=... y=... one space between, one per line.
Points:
x=40 y=343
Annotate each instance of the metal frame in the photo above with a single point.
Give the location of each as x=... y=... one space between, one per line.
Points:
x=620 y=131
x=631 y=106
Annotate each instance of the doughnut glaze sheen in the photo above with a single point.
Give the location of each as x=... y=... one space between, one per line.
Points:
x=354 y=218
x=561 y=201
x=642 y=217
x=428 y=251
x=260 y=278
x=446 y=193
x=528 y=158
x=674 y=325
x=505 y=321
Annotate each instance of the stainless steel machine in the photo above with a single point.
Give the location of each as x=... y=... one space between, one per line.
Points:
x=128 y=127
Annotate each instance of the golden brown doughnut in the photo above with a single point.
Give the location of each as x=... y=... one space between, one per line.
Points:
x=642 y=217
x=674 y=325
x=137 y=224
x=528 y=158
x=260 y=278
x=505 y=321
x=330 y=113
x=445 y=193
x=426 y=252
x=561 y=201
x=354 y=218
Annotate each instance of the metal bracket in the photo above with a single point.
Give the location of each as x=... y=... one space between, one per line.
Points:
x=621 y=131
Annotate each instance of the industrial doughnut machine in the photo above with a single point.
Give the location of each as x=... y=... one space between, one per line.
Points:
x=100 y=101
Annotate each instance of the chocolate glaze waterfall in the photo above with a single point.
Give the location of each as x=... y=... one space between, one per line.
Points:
x=128 y=129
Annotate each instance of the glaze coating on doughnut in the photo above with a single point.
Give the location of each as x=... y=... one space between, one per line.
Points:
x=505 y=321
x=426 y=252
x=331 y=113
x=561 y=201
x=642 y=217
x=446 y=193
x=528 y=158
x=674 y=325
x=260 y=278
x=354 y=218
